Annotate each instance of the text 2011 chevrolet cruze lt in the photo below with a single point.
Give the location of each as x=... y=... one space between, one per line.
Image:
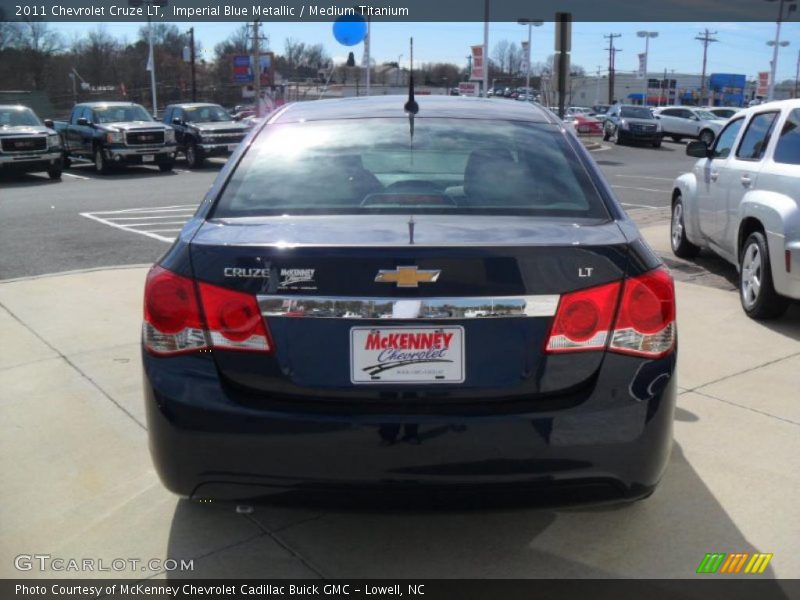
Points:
x=371 y=297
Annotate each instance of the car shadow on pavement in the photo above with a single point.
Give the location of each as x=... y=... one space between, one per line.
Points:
x=18 y=180
x=118 y=174
x=665 y=536
x=706 y=269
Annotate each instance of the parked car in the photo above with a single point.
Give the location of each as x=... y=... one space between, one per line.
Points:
x=112 y=134
x=630 y=123
x=723 y=112
x=586 y=125
x=742 y=201
x=203 y=130
x=27 y=144
x=600 y=109
x=681 y=122
x=306 y=332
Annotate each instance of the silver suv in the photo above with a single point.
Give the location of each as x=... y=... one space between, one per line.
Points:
x=680 y=122
x=742 y=201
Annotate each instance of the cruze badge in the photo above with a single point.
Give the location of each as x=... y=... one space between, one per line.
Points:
x=407 y=277
x=251 y=273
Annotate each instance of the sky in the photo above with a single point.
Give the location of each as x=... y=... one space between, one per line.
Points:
x=742 y=47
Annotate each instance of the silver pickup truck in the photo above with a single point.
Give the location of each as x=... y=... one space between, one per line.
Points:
x=742 y=201
x=27 y=144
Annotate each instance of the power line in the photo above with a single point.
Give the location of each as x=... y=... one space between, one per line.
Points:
x=612 y=52
x=706 y=39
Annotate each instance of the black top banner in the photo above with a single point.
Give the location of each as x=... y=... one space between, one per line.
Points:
x=387 y=10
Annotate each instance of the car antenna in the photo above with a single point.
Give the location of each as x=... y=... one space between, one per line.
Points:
x=411 y=106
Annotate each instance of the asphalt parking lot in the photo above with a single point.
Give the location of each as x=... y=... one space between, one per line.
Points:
x=79 y=482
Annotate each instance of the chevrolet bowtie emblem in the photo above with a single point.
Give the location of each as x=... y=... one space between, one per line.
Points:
x=407 y=276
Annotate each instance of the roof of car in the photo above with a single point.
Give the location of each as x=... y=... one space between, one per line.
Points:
x=14 y=106
x=458 y=107
x=191 y=104
x=93 y=104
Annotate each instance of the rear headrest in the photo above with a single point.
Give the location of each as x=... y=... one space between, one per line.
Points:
x=486 y=170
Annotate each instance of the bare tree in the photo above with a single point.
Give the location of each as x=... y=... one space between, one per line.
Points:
x=500 y=55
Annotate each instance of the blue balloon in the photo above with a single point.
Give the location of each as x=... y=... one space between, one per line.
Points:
x=350 y=30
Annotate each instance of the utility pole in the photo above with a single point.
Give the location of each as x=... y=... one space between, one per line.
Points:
x=706 y=39
x=257 y=68
x=485 y=48
x=611 y=60
x=191 y=61
x=797 y=76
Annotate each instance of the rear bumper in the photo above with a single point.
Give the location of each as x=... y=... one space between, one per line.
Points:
x=205 y=444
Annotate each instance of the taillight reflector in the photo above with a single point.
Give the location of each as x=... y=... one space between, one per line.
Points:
x=234 y=320
x=174 y=322
x=644 y=308
x=583 y=319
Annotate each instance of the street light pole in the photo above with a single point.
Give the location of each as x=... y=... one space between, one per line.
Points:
x=531 y=24
x=646 y=35
x=776 y=45
x=191 y=59
x=797 y=75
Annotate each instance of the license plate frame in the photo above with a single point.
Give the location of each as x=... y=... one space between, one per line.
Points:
x=419 y=361
x=148 y=158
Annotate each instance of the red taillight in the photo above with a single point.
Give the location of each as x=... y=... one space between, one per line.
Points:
x=172 y=319
x=583 y=319
x=174 y=323
x=234 y=320
x=645 y=319
x=646 y=322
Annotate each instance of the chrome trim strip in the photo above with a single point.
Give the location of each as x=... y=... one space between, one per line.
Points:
x=344 y=307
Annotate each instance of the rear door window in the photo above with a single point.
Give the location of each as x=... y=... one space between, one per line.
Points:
x=787 y=151
x=448 y=166
x=756 y=137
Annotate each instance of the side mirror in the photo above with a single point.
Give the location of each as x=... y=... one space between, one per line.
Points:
x=698 y=149
x=49 y=123
x=83 y=121
x=177 y=121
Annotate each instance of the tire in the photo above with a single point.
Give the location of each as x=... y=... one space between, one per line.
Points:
x=756 y=291
x=618 y=138
x=707 y=136
x=606 y=134
x=166 y=167
x=657 y=144
x=66 y=163
x=54 y=172
x=101 y=165
x=676 y=138
x=681 y=246
x=193 y=157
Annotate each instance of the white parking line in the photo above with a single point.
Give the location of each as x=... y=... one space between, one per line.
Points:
x=645 y=177
x=150 y=221
x=640 y=189
x=75 y=176
x=641 y=205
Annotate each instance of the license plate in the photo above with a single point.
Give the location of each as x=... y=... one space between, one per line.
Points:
x=232 y=147
x=148 y=157
x=407 y=354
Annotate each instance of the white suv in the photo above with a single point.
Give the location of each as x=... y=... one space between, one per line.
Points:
x=742 y=200
x=680 y=122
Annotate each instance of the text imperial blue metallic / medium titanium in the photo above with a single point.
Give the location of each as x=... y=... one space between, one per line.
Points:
x=370 y=299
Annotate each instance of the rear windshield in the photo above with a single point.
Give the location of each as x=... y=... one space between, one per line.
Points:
x=449 y=166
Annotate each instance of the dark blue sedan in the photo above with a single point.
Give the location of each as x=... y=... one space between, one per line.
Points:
x=371 y=298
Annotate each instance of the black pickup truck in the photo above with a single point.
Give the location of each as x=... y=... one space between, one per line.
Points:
x=116 y=133
x=204 y=130
x=27 y=144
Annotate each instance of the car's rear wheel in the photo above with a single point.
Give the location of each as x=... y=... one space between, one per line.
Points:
x=681 y=246
x=193 y=157
x=166 y=167
x=756 y=289
x=676 y=138
x=707 y=137
x=657 y=144
x=100 y=163
x=54 y=172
